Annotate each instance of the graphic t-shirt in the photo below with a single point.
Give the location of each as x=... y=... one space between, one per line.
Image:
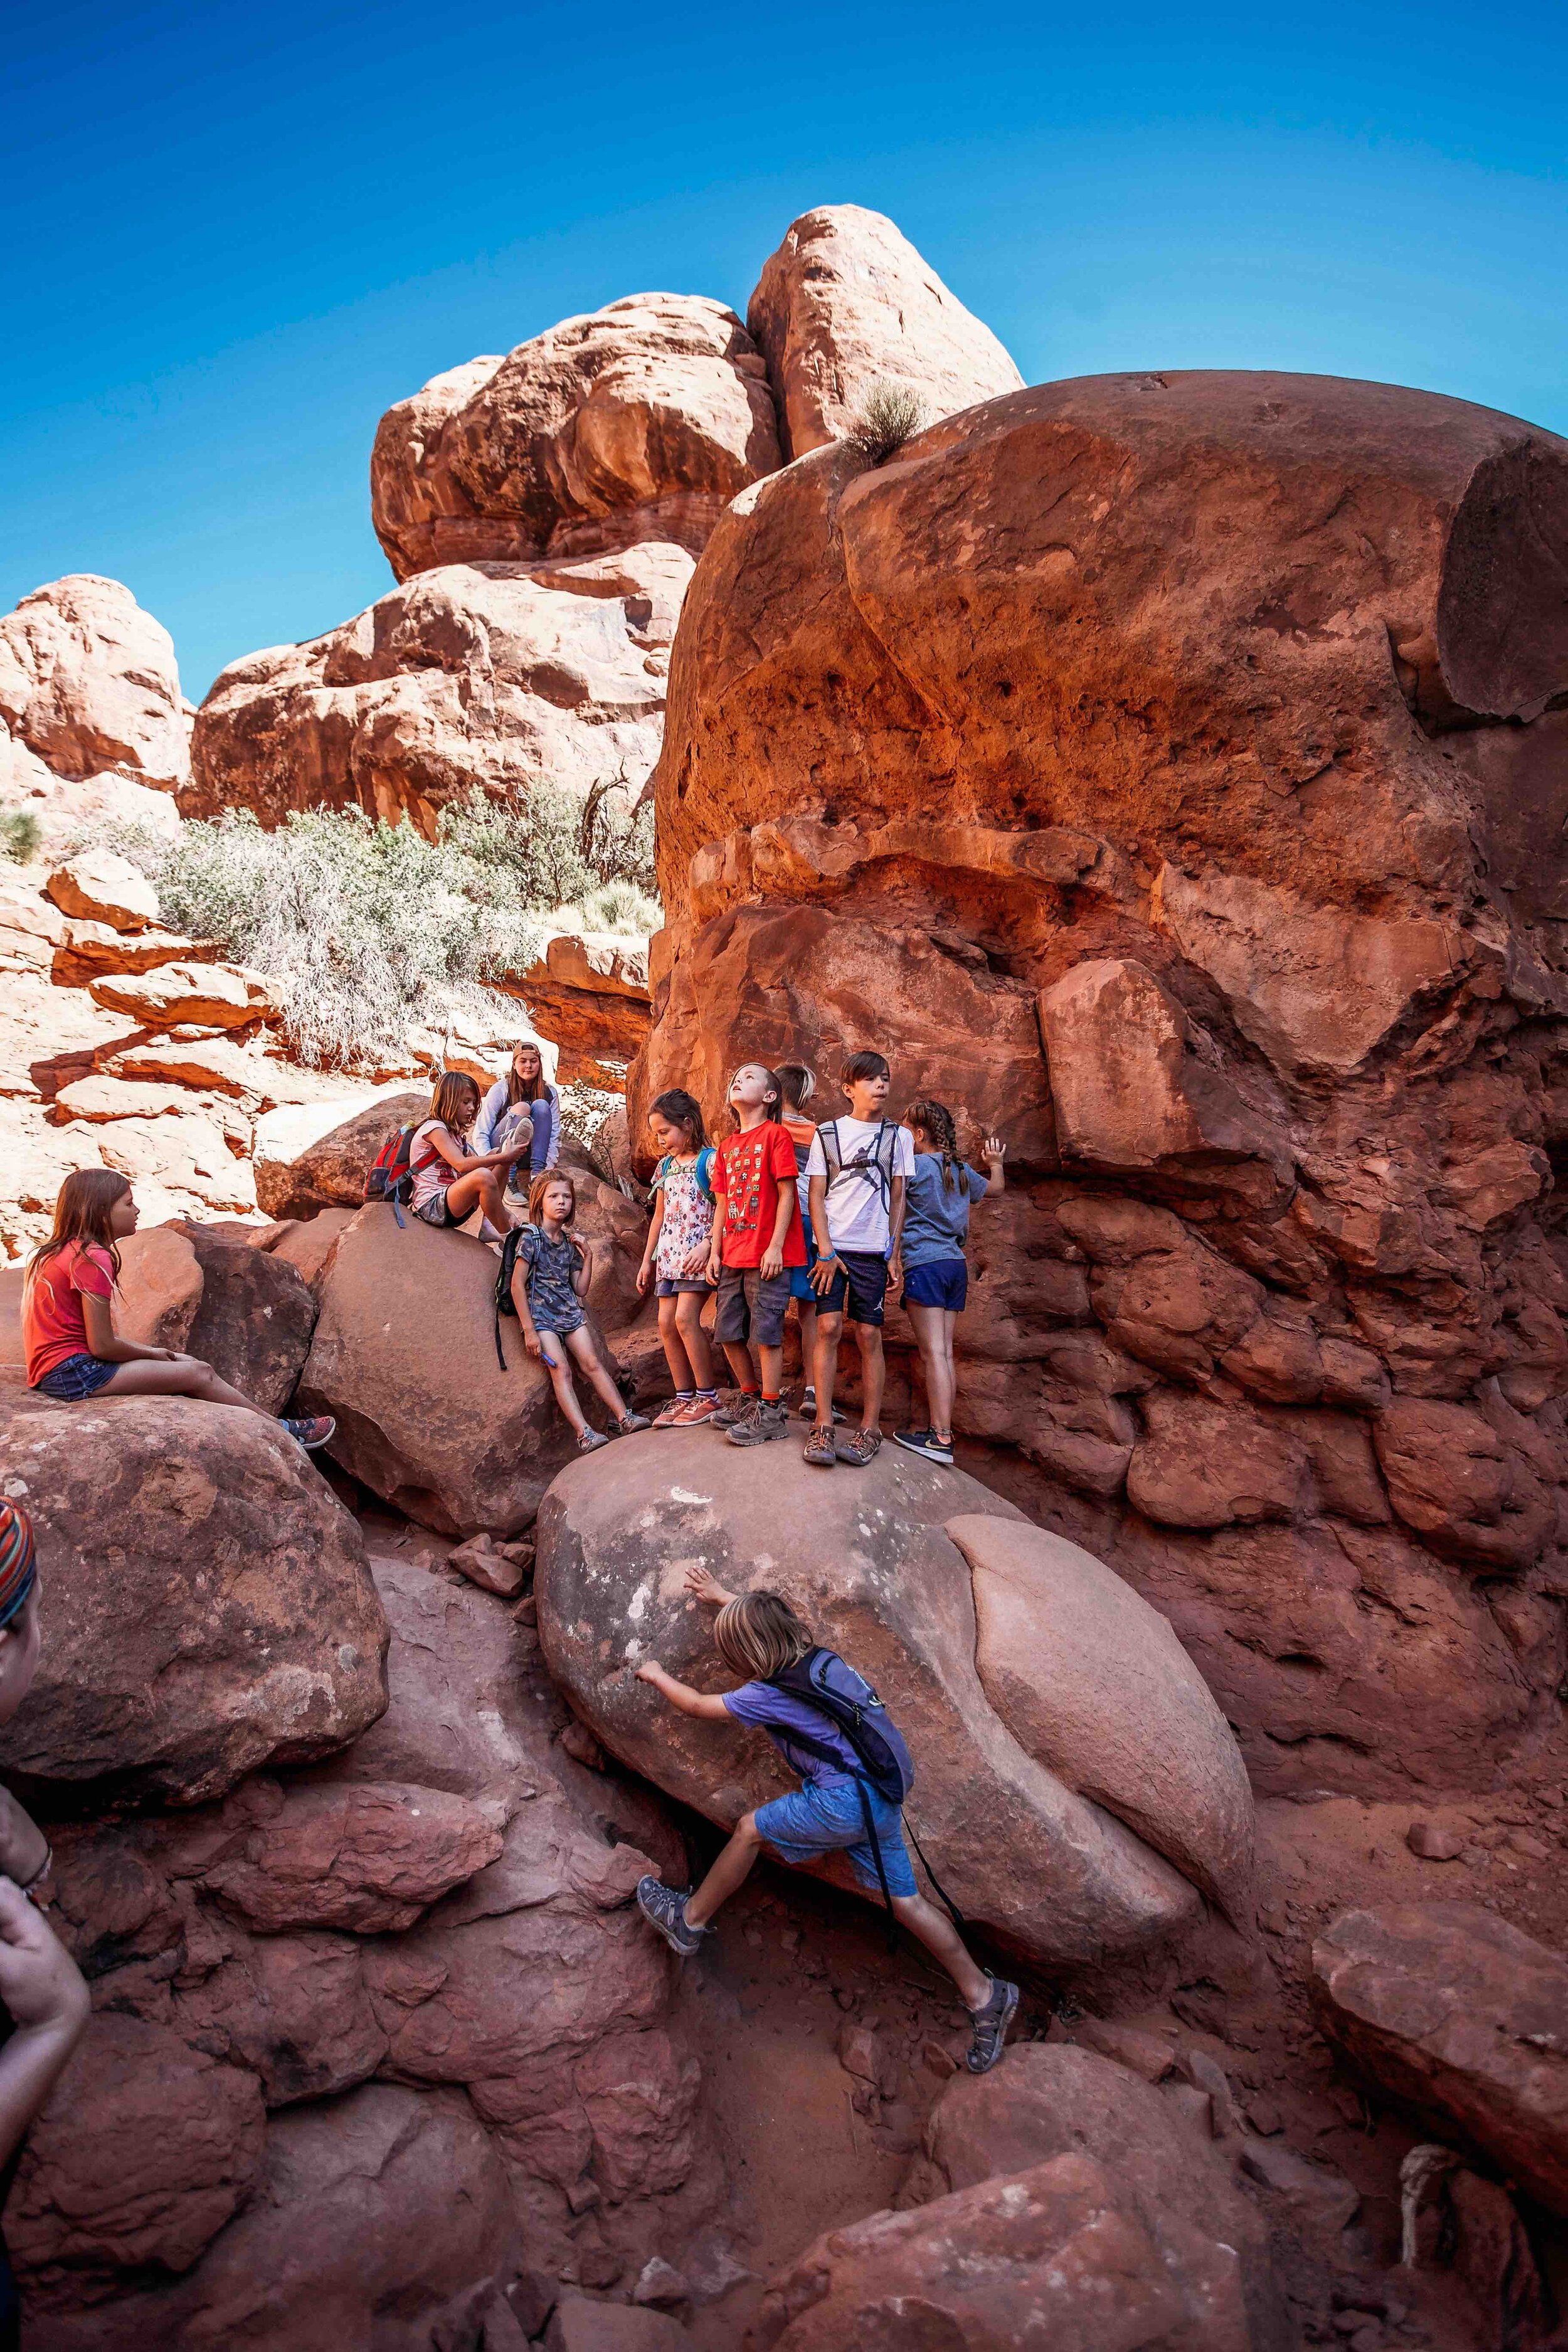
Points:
x=778 y=1712
x=936 y=1222
x=53 y=1326
x=748 y=1169
x=860 y=1196
x=688 y=1216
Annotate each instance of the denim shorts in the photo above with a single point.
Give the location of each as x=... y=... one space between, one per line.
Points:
x=435 y=1212
x=943 y=1283
x=77 y=1377
x=671 y=1285
x=824 y=1817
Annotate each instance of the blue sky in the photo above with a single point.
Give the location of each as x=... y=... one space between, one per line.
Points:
x=236 y=234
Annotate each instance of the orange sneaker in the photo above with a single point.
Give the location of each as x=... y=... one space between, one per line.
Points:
x=693 y=1415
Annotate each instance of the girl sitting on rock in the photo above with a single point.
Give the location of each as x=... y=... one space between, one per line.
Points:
x=936 y=1278
x=449 y=1182
x=550 y=1280
x=676 y=1258
x=68 y=1329
x=523 y=1094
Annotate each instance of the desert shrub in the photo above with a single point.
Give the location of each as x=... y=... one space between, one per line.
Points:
x=20 y=834
x=890 y=414
x=557 y=852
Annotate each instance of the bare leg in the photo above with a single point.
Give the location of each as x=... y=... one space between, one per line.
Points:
x=560 y=1380
x=740 y=1361
x=772 y=1362
x=928 y=1322
x=580 y=1344
x=808 y=1341
x=873 y=1372
x=185 y=1376
x=478 y=1190
x=949 y=1325
x=676 y=1354
x=732 y=1870
x=828 y=1327
x=694 y=1337
x=936 y=1930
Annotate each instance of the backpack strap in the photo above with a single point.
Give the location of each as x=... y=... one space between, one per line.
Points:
x=875 y=1846
x=830 y=1151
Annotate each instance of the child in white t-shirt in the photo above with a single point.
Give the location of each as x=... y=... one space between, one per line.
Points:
x=857 y=1168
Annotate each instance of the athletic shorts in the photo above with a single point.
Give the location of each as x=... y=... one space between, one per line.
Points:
x=77 y=1377
x=943 y=1283
x=671 y=1285
x=824 y=1817
x=865 y=1283
x=751 y=1309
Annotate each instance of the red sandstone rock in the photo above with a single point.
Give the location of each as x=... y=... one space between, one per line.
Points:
x=1452 y=2012
x=874 y=1569
x=316 y=1157
x=104 y=887
x=191 y=1549
x=589 y=993
x=845 y=303
x=220 y=995
x=88 y=683
x=365 y=1856
x=293 y=2009
x=576 y=2325
x=160 y=1287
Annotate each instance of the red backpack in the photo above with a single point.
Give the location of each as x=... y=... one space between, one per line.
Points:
x=391 y=1178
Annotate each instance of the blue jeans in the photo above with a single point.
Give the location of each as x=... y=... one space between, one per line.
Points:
x=824 y=1817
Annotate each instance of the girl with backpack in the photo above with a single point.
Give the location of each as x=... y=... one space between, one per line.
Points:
x=449 y=1182
x=676 y=1257
x=936 y=1279
x=551 y=1272
x=72 y=1348
x=524 y=1093
x=838 y=1809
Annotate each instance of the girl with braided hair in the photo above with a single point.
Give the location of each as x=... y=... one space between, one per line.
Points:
x=936 y=1278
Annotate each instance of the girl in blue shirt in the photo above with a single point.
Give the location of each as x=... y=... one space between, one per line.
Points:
x=936 y=1279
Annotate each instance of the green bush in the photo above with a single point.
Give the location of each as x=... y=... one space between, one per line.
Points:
x=890 y=414
x=20 y=834
x=366 y=929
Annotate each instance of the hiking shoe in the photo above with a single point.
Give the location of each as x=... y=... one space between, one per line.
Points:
x=861 y=1445
x=313 y=1432
x=630 y=1423
x=769 y=1421
x=664 y=1907
x=988 y=2038
x=923 y=1441
x=697 y=1412
x=670 y=1417
x=807 y=1407
x=819 y=1450
x=591 y=1441
x=739 y=1406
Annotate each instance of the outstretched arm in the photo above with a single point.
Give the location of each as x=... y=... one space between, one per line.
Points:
x=995 y=1151
x=681 y=1694
x=42 y=1987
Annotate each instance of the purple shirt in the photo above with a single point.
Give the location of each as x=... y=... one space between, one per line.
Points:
x=778 y=1712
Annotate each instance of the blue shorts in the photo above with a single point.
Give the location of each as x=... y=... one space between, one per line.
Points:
x=944 y=1283
x=824 y=1817
x=77 y=1377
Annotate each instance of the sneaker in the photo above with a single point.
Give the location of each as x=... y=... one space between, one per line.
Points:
x=741 y=1405
x=988 y=2039
x=769 y=1421
x=701 y=1409
x=629 y=1423
x=807 y=1407
x=313 y=1431
x=670 y=1417
x=819 y=1450
x=664 y=1907
x=861 y=1445
x=591 y=1441
x=925 y=1442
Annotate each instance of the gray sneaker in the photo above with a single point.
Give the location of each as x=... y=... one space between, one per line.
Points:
x=664 y=1907
x=737 y=1407
x=769 y=1421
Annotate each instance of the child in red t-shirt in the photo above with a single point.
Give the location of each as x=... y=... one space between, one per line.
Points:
x=757 y=1239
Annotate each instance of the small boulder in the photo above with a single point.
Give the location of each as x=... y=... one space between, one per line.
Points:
x=210 y=1607
x=313 y=1156
x=581 y=2325
x=359 y=1856
x=498 y=1568
x=1434 y=1842
x=309 y=1247
x=159 y=1288
x=1463 y=2019
x=216 y=995
x=256 y=1316
x=102 y=887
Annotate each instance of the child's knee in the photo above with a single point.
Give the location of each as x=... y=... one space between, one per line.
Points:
x=746 y=1830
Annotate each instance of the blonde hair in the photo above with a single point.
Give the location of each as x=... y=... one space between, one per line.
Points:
x=759 y=1634
x=454 y=1089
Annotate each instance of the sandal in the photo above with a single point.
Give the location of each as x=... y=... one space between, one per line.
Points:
x=859 y=1447
x=818 y=1450
x=988 y=2037
x=629 y=1423
x=591 y=1441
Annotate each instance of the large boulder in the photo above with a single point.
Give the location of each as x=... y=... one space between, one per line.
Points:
x=1462 y=2018
x=1051 y=2101
x=247 y=1312
x=404 y=1355
x=312 y=1156
x=846 y=303
x=1266 y=830
x=1057 y=1836
x=589 y=990
x=89 y=686
x=210 y=1608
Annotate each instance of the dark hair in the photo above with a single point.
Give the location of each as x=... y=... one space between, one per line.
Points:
x=935 y=1120
x=777 y=1113
x=863 y=1066
x=796 y=1083
x=82 y=1211
x=538 y=1086
x=759 y=1634
x=538 y=1189
x=452 y=1089
x=682 y=1109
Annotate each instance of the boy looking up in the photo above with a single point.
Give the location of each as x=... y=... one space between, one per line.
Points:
x=757 y=1239
x=859 y=1168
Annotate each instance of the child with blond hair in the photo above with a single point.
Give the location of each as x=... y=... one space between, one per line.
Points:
x=549 y=1276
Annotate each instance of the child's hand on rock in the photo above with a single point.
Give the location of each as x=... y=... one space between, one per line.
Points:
x=650 y=1671
x=703 y=1585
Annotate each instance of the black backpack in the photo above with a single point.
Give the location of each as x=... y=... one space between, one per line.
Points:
x=510 y=1246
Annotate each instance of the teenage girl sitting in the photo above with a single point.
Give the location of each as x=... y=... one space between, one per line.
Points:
x=67 y=1328
x=676 y=1258
x=525 y=1093
x=450 y=1182
x=549 y=1282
